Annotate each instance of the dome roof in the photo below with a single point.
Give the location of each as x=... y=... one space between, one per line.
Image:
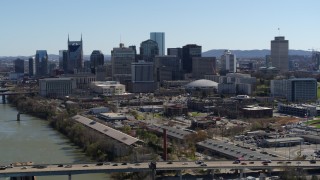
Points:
x=201 y=84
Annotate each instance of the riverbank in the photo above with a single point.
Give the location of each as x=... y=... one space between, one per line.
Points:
x=91 y=142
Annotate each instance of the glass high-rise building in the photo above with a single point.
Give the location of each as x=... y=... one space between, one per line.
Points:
x=32 y=66
x=41 y=63
x=188 y=52
x=96 y=59
x=159 y=37
x=63 y=60
x=279 y=53
x=75 y=55
x=19 y=66
x=148 y=50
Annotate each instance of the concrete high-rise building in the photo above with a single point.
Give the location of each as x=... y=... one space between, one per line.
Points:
x=203 y=66
x=96 y=59
x=188 y=52
x=142 y=72
x=159 y=37
x=142 y=80
x=41 y=63
x=228 y=62
x=32 y=66
x=279 y=53
x=63 y=60
x=175 y=51
x=148 y=50
x=75 y=55
x=19 y=66
x=121 y=59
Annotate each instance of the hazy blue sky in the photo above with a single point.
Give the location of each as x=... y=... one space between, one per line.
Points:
x=28 y=25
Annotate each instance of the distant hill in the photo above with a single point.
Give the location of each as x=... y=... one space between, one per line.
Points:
x=255 y=53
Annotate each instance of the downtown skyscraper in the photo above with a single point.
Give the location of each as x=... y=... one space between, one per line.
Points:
x=75 y=55
x=159 y=37
x=279 y=53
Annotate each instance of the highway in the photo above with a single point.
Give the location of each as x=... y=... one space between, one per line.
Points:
x=71 y=169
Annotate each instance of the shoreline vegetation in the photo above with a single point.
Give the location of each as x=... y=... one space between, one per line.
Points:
x=93 y=144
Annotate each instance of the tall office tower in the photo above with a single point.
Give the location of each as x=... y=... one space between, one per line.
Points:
x=175 y=51
x=75 y=55
x=41 y=63
x=135 y=52
x=279 y=53
x=121 y=59
x=148 y=50
x=63 y=60
x=32 y=66
x=142 y=77
x=228 y=62
x=160 y=39
x=19 y=66
x=142 y=71
x=188 y=52
x=96 y=59
x=167 y=68
x=203 y=66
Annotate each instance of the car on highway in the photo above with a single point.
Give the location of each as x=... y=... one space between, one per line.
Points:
x=68 y=166
x=266 y=161
x=251 y=162
x=203 y=164
x=124 y=163
x=99 y=164
x=243 y=163
x=60 y=165
x=85 y=165
x=3 y=167
x=236 y=162
x=170 y=162
x=185 y=163
x=199 y=162
x=39 y=166
x=24 y=167
x=312 y=161
x=115 y=164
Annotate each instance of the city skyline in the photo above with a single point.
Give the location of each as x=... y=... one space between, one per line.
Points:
x=33 y=25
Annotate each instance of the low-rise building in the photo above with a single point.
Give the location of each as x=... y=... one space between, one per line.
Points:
x=113 y=116
x=175 y=109
x=98 y=110
x=56 y=87
x=109 y=88
x=302 y=110
x=257 y=112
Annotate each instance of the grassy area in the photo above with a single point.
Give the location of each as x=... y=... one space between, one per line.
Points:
x=313 y=122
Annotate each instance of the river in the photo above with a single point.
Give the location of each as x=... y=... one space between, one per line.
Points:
x=32 y=139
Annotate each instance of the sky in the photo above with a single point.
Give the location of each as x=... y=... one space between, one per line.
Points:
x=30 y=25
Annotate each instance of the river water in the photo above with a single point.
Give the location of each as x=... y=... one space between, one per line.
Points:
x=32 y=139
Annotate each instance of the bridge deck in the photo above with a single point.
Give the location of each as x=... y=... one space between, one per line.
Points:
x=48 y=170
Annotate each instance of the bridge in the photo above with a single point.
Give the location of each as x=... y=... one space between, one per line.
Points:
x=4 y=94
x=72 y=169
